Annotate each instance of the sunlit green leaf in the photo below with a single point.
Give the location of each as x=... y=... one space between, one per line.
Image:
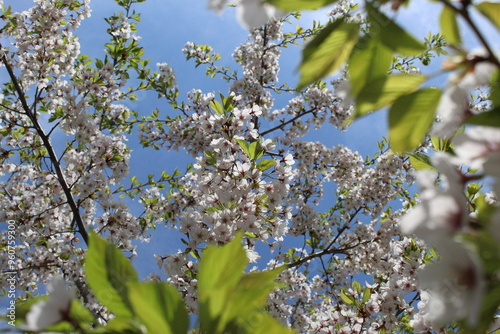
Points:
x=220 y=270
x=264 y=165
x=367 y=293
x=108 y=272
x=384 y=91
x=420 y=161
x=368 y=62
x=449 y=26
x=391 y=34
x=490 y=118
x=410 y=118
x=290 y=5
x=346 y=298
x=491 y=10
x=327 y=51
x=159 y=307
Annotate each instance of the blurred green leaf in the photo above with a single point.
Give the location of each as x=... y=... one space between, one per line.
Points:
x=370 y=60
x=491 y=10
x=108 y=272
x=410 y=118
x=300 y=4
x=449 y=26
x=384 y=91
x=220 y=270
x=391 y=34
x=264 y=165
x=327 y=51
x=489 y=118
x=420 y=161
x=159 y=307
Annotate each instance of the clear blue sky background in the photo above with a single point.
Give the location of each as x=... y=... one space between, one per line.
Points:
x=165 y=28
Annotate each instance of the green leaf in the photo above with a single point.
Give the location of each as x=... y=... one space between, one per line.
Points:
x=327 y=51
x=421 y=161
x=410 y=118
x=159 y=307
x=256 y=150
x=367 y=294
x=220 y=270
x=491 y=10
x=449 y=26
x=290 y=5
x=384 y=91
x=261 y=323
x=108 y=272
x=489 y=118
x=244 y=146
x=346 y=298
x=231 y=301
x=264 y=165
x=391 y=34
x=251 y=293
x=370 y=60
x=217 y=107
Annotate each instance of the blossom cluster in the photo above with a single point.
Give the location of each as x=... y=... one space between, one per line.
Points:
x=454 y=288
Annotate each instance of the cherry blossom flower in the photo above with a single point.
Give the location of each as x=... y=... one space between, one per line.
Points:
x=454 y=104
x=250 y=13
x=455 y=286
x=53 y=310
x=440 y=213
x=479 y=148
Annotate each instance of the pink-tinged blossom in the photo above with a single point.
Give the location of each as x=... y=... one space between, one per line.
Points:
x=454 y=286
x=479 y=148
x=249 y=13
x=451 y=111
x=454 y=104
x=440 y=213
x=255 y=13
x=51 y=311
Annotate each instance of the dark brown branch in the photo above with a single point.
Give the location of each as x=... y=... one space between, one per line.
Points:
x=46 y=142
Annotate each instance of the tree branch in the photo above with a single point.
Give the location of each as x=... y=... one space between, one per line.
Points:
x=53 y=157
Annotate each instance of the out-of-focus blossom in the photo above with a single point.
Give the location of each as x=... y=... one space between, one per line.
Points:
x=479 y=148
x=250 y=13
x=454 y=104
x=255 y=13
x=51 y=311
x=455 y=286
x=440 y=213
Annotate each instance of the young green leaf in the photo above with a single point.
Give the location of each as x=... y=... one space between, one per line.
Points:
x=300 y=4
x=220 y=270
x=371 y=60
x=384 y=91
x=410 y=118
x=346 y=298
x=256 y=150
x=490 y=118
x=449 y=26
x=327 y=51
x=491 y=10
x=421 y=161
x=159 y=307
x=217 y=107
x=391 y=34
x=264 y=165
x=367 y=293
x=244 y=146
x=108 y=272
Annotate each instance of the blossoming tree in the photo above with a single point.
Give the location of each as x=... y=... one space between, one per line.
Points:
x=377 y=260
